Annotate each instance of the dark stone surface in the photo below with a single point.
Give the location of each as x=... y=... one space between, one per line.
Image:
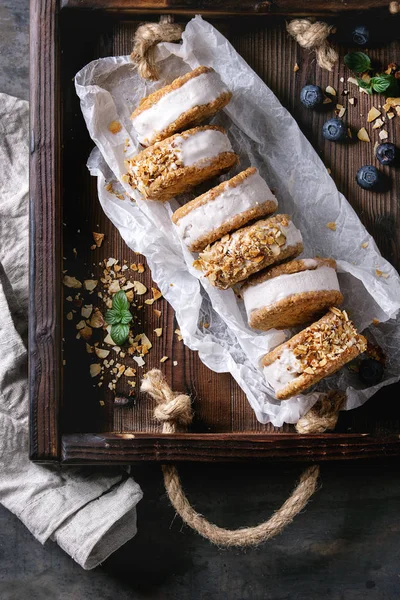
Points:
x=344 y=546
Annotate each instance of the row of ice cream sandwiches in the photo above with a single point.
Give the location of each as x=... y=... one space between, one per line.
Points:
x=279 y=291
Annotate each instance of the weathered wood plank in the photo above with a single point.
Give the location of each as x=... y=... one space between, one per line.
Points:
x=228 y=7
x=45 y=233
x=110 y=448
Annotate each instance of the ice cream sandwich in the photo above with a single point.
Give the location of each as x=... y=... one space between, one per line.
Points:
x=316 y=352
x=249 y=249
x=290 y=294
x=226 y=207
x=186 y=102
x=180 y=162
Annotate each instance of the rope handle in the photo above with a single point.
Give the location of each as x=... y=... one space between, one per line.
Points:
x=174 y=410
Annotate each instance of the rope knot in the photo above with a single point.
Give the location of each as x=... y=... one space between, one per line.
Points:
x=178 y=410
x=323 y=415
x=314 y=36
x=146 y=38
x=173 y=408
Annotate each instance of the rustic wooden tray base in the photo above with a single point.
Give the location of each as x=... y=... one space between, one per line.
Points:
x=74 y=421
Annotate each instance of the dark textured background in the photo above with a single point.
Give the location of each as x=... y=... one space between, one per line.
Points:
x=345 y=546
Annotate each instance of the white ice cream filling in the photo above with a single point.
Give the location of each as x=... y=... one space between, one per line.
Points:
x=232 y=201
x=292 y=234
x=197 y=91
x=202 y=145
x=282 y=371
x=278 y=288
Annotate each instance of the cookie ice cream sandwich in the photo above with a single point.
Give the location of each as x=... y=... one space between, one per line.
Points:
x=316 y=352
x=292 y=293
x=248 y=250
x=180 y=162
x=224 y=208
x=186 y=102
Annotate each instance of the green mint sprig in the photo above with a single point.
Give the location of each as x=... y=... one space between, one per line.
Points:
x=359 y=62
x=119 y=317
x=382 y=83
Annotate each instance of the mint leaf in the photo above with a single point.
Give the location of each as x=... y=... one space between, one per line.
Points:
x=120 y=302
x=112 y=317
x=358 y=62
x=119 y=333
x=125 y=317
x=365 y=85
x=381 y=83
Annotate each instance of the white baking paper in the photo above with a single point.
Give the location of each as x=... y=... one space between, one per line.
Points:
x=264 y=135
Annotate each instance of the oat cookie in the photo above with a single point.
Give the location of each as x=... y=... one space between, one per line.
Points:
x=316 y=352
x=248 y=250
x=180 y=162
x=186 y=102
x=226 y=207
x=291 y=294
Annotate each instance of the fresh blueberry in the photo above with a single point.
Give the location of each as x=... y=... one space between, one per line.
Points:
x=311 y=96
x=387 y=154
x=370 y=371
x=368 y=177
x=360 y=35
x=334 y=130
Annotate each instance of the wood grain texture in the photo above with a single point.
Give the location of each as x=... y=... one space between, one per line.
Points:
x=229 y=7
x=110 y=448
x=220 y=406
x=45 y=241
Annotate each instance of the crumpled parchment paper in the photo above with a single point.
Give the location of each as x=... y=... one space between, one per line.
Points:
x=266 y=136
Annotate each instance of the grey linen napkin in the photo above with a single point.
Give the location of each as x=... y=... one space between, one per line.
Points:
x=89 y=512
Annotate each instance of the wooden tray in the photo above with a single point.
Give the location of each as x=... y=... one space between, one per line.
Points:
x=74 y=421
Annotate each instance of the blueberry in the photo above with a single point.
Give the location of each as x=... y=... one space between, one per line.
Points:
x=311 y=96
x=334 y=130
x=370 y=371
x=360 y=35
x=368 y=177
x=387 y=154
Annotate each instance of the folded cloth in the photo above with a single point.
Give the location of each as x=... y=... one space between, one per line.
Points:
x=89 y=512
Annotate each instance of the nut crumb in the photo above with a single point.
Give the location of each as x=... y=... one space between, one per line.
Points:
x=378 y=123
x=158 y=331
x=115 y=127
x=140 y=289
x=129 y=372
x=383 y=134
x=179 y=334
x=94 y=369
x=331 y=225
x=296 y=68
x=71 y=282
x=365 y=245
x=98 y=238
x=163 y=359
x=363 y=135
x=373 y=114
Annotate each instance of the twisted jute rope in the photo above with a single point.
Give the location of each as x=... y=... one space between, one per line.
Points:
x=323 y=415
x=174 y=410
x=146 y=38
x=314 y=36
